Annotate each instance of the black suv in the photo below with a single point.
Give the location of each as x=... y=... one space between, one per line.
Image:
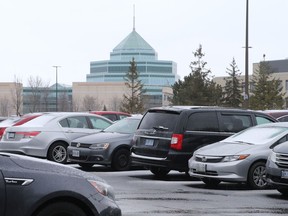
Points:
x=167 y=136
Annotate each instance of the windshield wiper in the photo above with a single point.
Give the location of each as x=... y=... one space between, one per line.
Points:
x=160 y=128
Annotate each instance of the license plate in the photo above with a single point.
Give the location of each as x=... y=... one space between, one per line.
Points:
x=11 y=135
x=149 y=142
x=75 y=153
x=201 y=167
x=284 y=174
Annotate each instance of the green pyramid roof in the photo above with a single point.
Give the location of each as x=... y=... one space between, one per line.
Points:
x=133 y=42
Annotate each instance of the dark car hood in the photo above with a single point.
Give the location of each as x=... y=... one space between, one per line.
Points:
x=103 y=137
x=42 y=165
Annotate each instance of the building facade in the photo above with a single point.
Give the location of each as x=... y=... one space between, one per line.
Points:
x=154 y=74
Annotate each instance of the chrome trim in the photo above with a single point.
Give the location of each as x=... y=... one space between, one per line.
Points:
x=18 y=181
x=146 y=157
x=153 y=137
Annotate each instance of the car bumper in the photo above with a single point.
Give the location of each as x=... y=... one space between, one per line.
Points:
x=172 y=161
x=275 y=175
x=28 y=147
x=236 y=171
x=86 y=155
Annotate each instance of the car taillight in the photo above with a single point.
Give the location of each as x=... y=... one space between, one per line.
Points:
x=28 y=134
x=2 y=132
x=176 y=141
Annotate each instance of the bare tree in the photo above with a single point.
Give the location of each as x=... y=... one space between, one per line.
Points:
x=4 y=106
x=115 y=103
x=34 y=97
x=17 y=97
x=89 y=103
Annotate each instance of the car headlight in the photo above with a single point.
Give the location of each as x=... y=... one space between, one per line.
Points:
x=231 y=158
x=99 y=146
x=102 y=188
x=272 y=156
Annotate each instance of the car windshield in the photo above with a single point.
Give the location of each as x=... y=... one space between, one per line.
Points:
x=126 y=125
x=256 y=135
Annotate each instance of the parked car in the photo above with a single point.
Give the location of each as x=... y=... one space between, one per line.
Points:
x=2 y=118
x=239 y=158
x=167 y=136
x=112 y=115
x=16 y=120
x=108 y=147
x=34 y=187
x=277 y=168
x=280 y=115
x=49 y=135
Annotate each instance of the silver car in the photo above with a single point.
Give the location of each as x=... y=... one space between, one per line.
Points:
x=239 y=158
x=49 y=135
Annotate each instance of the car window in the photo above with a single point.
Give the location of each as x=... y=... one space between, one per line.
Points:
x=122 y=116
x=74 y=122
x=99 y=123
x=235 y=122
x=159 y=120
x=262 y=120
x=283 y=119
x=203 y=121
x=112 y=117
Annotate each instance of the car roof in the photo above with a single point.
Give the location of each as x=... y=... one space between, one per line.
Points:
x=109 y=112
x=183 y=108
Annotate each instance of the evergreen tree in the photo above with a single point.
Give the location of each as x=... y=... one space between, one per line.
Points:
x=232 y=96
x=133 y=102
x=266 y=92
x=197 y=88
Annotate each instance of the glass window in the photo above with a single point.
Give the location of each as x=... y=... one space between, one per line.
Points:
x=99 y=123
x=235 y=123
x=203 y=121
x=262 y=120
x=159 y=119
x=74 y=122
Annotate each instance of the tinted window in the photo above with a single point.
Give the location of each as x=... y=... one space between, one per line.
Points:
x=158 y=120
x=235 y=122
x=112 y=117
x=74 y=122
x=99 y=123
x=203 y=121
x=262 y=120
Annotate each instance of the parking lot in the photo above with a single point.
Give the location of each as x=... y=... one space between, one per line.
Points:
x=139 y=193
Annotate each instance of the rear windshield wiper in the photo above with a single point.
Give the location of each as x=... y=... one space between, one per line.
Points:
x=160 y=128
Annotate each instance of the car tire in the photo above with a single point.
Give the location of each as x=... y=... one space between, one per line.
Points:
x=121 y=160
x=159 y=171
x=257 y=176
x=86 y=165
x=61 y=208
x=58 y=152
x=209 y=182
x=283 y=191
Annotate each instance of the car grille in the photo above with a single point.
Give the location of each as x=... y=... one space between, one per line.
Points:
x=282 y=160
x=80 y=145
x=208 y=159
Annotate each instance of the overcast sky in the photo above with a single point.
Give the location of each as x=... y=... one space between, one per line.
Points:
x=39 y=34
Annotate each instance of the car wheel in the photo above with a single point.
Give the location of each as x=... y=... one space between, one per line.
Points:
x=211 y=182
x=257 y=176
x=61 y=208
x=86 y=165
x=58 y=152
x=283 y=191
x=121 y=160
x=159 y=171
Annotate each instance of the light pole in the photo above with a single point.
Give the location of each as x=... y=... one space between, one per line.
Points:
x=246 y=93
x=56 y=92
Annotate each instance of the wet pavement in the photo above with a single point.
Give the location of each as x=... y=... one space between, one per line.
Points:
x=139 y=193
